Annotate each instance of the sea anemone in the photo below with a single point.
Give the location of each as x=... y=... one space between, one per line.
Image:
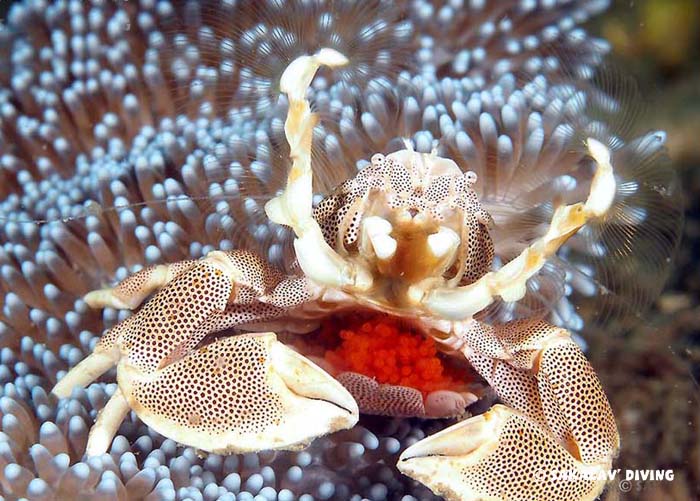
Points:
x=142 y=132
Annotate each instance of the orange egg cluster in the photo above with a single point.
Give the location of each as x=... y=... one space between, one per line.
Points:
x=381 y=348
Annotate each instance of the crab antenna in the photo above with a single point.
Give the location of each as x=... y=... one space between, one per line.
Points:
x=294 y=207
x=510 y=281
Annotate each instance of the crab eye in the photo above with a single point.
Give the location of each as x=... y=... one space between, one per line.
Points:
x=377 y=159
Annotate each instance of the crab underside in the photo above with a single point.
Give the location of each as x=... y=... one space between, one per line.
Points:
x=398 y=261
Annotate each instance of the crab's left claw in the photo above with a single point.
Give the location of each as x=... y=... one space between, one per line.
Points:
x=500 y=455
x=238 y=394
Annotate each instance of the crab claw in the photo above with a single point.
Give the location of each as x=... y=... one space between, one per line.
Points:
x=238 y=394
x=500 y=455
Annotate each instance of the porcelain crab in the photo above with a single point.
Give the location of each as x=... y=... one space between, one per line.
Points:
x=407 y=238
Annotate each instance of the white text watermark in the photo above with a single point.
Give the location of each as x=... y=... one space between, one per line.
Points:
x=625 y=478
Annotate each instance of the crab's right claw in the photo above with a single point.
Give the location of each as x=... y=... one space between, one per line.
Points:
x=500 y=455
x=238 y=394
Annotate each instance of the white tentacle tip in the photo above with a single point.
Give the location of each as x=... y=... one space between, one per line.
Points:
x=603 y=186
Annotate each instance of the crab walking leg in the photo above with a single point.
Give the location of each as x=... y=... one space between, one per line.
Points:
x=556 y=439
x=107 y=424
x=130 y=292
x=509 y=282
x=294 y=206
x=104 y=356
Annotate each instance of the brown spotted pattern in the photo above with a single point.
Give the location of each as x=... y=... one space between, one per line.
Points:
x=550 y=381
x=584 y=407
x=111 y=337
x=521 y=335
x=234 y=315
x=520 y=467
x=515 y=387
x=478 y=253
x=174 y=314
x=258 y=277
x=383 y=400
x=289 y=293
x=219 y=387
x=580 y=411
x=195 y=304
x=482 y=339
x=143 y=282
